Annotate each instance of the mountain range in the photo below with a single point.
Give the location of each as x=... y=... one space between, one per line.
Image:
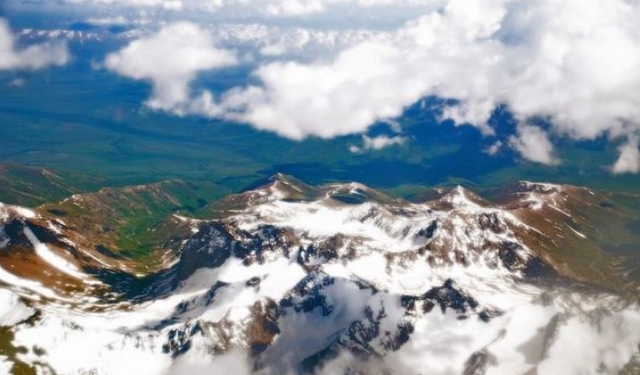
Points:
x=289 y=278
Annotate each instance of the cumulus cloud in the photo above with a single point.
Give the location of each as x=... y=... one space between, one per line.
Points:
x=170 y=60
x=533 y=144
x=629 y=160
x=574 y=63
x=32 y=57
x=494 y=148
x=472 y=113
x=324 y=100
x=377 y=143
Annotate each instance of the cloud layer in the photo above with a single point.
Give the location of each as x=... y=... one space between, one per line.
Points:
x=573 y=63
x=33 y=57
x=277 y=8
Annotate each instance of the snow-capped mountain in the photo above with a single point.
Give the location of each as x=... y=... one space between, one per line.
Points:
x=266 y=40
x=289 y=278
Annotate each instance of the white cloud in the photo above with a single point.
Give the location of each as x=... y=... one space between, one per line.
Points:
x=17 y=82
x=377 y=143
x=276 y=8
x=533 y=144
x=170 y=59
x=32 y=57
x=629 y=160
x=472 y=113
x=109 y=21
x=344 y=97
x=171 y=5
x=575 y=63
x=305 y=7
x=494 y=148
x=196 y=362
x=354 y=149
x=441 y=54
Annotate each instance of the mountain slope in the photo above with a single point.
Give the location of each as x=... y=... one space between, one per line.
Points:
x=32 y=186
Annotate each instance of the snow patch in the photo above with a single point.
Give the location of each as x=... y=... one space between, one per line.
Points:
x=55 y=260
